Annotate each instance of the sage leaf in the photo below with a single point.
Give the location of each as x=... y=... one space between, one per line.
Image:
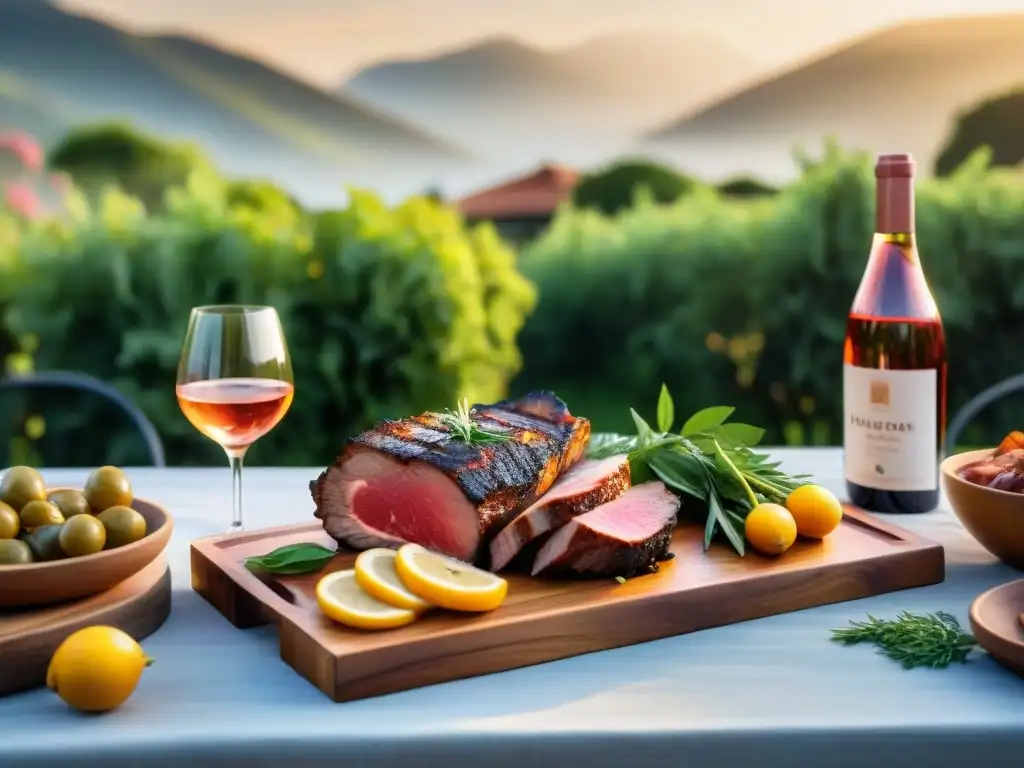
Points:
x=666 y=410
x=707 y=418
x=680 y=471
x=736 y=538
x=292 y=559
x=644 y=433
x=605 y=444
x=736 y=433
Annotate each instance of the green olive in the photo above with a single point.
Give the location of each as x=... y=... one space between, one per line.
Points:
x=37 y=513
x=14 y=552
x=82 y=535
x=70 y=502
x=45 y=542
x=124 y=526
x=20 y=485
x=10 y=523
x=107 y=487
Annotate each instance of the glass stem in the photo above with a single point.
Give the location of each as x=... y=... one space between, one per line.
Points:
x=235 y=457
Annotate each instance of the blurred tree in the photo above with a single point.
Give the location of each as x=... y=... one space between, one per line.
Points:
x=612 y=189
x=101 y=154
x=259 y=195
x=997 y=123
x=744 y=186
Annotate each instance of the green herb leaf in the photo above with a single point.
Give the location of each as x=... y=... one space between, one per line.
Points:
x=735 y=433
x=460 y=423
x=292 y=559
x=666 y=410
x=933 y=640
x=644 y=433
x=706 y=419
x=681 y=471
x=736 y=537
x=605 y=444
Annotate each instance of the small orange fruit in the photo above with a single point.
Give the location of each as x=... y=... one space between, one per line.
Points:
x=816 y=510
x=770 y=529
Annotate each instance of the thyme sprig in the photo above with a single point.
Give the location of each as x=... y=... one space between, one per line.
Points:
x=933 y=640
x=463 y=428
x=709 y=461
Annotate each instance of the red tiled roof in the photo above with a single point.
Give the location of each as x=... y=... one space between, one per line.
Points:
x=537 y=194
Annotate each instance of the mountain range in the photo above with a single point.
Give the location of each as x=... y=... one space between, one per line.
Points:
x=503 y=96
x=57 y=69
x=896 y=90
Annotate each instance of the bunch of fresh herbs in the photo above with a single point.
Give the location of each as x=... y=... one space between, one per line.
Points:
x=463 y=428
x=933 y=640
x=709 y=464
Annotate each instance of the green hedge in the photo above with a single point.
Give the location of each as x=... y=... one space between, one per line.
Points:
x=743 y=302
x=387 y=311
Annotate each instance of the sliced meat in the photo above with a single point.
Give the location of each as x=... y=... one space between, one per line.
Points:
x=626 y=536
x=413 y=480
x=587 y=485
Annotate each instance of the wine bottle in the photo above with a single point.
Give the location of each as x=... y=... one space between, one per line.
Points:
x=894 y=362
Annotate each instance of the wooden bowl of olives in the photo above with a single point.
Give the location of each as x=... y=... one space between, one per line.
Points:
x=60 y=544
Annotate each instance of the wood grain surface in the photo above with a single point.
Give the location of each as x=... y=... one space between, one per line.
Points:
x=544 y=620
x=28 y=637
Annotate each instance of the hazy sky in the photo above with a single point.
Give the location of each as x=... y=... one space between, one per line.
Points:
x=324 y=41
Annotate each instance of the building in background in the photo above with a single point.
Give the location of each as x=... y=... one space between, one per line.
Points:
x=523 y=207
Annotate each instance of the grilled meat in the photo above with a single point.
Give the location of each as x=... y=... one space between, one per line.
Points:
x=628 y=535
x=413 y=480
x=586 y=485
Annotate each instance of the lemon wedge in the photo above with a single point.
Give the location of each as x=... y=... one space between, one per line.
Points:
x=376 y=574
x=342 y=599
x=446 y=582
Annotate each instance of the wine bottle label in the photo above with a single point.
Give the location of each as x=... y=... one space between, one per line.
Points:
x=890 y=434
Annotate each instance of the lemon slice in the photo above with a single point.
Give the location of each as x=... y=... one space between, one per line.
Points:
x=342 y=599
x=376 y=574
x=446 y=582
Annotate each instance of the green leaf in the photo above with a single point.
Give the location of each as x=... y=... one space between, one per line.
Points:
x=292 y=559
x=605 y=444
x=666 y=410
x=706 y=419
x=709 y=529
x=644 y=433
x=736 y=433
x=736 y=538
x=681 y=471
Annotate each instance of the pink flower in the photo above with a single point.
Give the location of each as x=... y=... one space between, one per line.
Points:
x=24 y=148
x=21 y=198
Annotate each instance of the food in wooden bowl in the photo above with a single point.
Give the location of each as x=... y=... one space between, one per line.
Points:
x=992 y=514
x=998 y=624
x=60 y=544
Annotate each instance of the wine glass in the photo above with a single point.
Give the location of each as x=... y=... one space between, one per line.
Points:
x=234 y=381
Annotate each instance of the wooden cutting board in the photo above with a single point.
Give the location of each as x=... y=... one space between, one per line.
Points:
x=28 y=638
x=543 y=620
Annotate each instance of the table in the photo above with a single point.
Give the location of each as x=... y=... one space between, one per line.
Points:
x=771 y=692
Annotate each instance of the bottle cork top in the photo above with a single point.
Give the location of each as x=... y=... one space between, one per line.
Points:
x=895 y=166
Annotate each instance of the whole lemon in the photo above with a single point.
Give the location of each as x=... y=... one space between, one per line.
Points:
x=770 y=529
x=96 y=669
x=816 y=510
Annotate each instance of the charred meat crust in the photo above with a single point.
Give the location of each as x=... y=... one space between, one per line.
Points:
x=500 y=478
x=563 y=510
x=625 y=560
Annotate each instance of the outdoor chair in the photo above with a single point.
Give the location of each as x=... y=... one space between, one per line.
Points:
x=977 y=404
x=84 y=383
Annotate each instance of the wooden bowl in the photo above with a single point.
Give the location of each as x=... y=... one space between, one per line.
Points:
x=57 y=581
x=996 y=624
x=995 y=518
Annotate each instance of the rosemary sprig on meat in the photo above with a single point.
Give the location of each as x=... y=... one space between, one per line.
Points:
x=933 y=640
x=463 y=428
x=709 y=463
